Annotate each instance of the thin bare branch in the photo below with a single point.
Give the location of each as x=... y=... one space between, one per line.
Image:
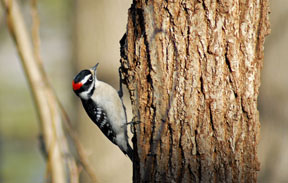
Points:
x=67 y=122
x=73 y=169
x=80 y=151
x=79 y=148
x=50 y=110
x=39 y=90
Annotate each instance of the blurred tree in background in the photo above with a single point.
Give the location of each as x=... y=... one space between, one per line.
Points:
x=99 y=25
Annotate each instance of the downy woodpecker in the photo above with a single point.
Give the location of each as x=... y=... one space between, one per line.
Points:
x=104 y=107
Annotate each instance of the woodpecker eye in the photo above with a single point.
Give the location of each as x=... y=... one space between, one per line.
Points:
x=89 y=81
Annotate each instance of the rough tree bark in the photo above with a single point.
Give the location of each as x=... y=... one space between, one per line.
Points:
x=193 y=72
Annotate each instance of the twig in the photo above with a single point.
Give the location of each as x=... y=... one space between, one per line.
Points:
x=39 y=90
x=80 y=151
x=71 y=163
x=48 y=107
x=79 y=148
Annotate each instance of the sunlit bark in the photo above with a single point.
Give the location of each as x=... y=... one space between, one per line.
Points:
x=193 y=72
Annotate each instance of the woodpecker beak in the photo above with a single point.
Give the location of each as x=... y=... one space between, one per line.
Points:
x=95 y=67
x=94 y=70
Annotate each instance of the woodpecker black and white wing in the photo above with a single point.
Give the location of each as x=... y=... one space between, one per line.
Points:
x=99 y=117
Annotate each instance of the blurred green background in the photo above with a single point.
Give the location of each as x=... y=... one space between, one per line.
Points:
x=77 y=34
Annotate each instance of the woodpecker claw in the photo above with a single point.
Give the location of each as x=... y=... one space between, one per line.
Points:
x=132 y=124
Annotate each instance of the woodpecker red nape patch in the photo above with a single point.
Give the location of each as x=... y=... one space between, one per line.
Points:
x=76 y=86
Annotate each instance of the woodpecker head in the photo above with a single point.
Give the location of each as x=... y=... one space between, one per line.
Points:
x=84 y=83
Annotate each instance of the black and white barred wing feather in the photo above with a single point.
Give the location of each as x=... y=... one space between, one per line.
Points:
x=99 y=117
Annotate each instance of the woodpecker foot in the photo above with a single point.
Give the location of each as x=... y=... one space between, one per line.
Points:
x=132 y=125
x=133 y=122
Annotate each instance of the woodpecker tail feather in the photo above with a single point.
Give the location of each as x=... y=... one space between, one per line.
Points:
x=130 y=152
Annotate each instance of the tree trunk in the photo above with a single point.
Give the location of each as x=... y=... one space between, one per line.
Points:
x=193 y=72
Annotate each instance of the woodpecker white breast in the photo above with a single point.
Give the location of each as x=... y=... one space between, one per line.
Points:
x=104 y=107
